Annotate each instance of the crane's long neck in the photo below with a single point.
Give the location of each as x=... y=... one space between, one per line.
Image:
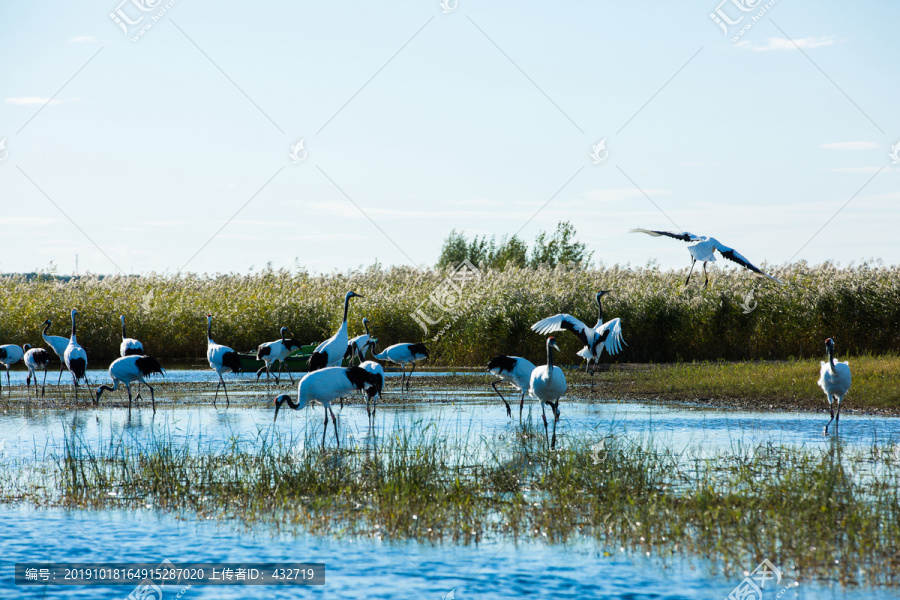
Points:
x=209 y=330
x=73 y=328
x=366 y=323
x=549 y=361
x=44 y=332
x=283 y=333
x=346 y=308
x=599 y=311
x=123 y=329
x=831 y=358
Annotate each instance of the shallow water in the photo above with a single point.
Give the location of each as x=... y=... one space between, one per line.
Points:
x=372 y=568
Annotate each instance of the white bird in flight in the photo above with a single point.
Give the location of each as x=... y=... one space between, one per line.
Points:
x=704 y=250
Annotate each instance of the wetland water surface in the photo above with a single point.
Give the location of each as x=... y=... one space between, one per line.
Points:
x=374 y=568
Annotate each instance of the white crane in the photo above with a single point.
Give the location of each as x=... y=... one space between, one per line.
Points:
x=277 y=351
x=129 y=345
x=404 y=354
x=514 y=370
x=704 y=250
x=331 y=352
x=372 y=392
x=222 y=359
x=325 y=386
x=10 y=354
x=602 y=336
x=59 y=345
x=359 y=345
x=128 y=369
x=36 y=359
x=834 y=379
x=76 y=358
x=548 y=384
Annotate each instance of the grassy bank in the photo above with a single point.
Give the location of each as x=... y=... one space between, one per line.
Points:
x=826 y=513
x=491 y=313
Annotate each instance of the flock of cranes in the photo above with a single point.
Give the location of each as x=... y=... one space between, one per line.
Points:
x=327 y=380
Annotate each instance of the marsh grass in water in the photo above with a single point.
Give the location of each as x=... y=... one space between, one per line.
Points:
x=831 y=514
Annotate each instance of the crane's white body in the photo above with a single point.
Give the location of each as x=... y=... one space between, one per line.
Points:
x=75 y=358
x=58 y=344
x=602 y=336
x=129 y=369
x=404 y=354
x=359 y=345
x=704 y=249
x=331 y=352
x=277 y=351
x=834 y=379
x=36 y=359
x=548 y=384
x=514 y=370
x=129 y=346
x=325 y=386
x=374 y=392
x=222 y=359
x=10 y=354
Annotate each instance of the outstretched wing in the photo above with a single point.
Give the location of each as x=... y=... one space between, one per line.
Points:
x=561 y=322
x=684 y=236
x=610 y=335
x=736 y=257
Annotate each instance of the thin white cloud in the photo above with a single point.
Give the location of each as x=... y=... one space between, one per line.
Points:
x=27 y=221
x=774 y=43
x=164 y=223
x=31 y=100
x=849 y=146
x=620 y=194
x=82 y=39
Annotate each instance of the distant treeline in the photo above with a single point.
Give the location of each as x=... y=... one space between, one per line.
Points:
x=477 y=313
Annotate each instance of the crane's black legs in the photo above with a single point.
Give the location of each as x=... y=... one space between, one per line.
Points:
x=43 y=384
x=706 y=274
x=693 y=262
x=521 y=405
x=62 y=365
x=409 y=377
x=508 y=410
x=224 y=387
x=831 y=407
x=544 y=415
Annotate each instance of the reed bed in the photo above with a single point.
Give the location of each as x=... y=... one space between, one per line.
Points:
x=828 y=514
x=488 y=314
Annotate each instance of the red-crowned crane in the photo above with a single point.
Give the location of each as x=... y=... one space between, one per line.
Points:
x=372 y=392
x=76 y=358
x=327 y=385
x=704 y=250
x=548 y=384
x=128 y=369
x=277 y=351
x=834 y=379
x=129 y=346
x=36 y=359
x=359 y=345
x=331 y=352
x=222 y=359
x=514 y=370
x=602 y=336
x=10 y=354
x=404 y=354
x=58 y=344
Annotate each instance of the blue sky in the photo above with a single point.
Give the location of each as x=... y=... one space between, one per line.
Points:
x=416 y=121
